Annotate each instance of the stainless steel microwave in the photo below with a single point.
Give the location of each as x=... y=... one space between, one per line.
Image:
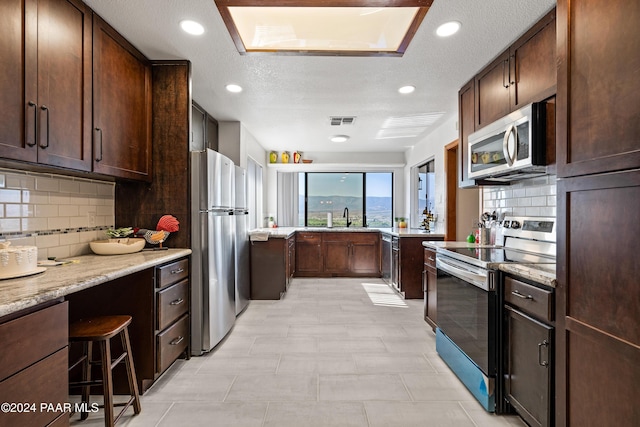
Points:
x=511 y=148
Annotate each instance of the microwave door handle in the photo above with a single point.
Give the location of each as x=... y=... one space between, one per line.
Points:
x=509 y=157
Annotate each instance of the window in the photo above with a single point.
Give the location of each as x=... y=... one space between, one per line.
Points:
x=367 y=196
x=426 y=189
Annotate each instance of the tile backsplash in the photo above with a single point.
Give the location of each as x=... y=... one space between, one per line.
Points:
x=58 y=214
x=530 y=197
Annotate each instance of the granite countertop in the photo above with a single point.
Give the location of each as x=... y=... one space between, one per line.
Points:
x=445 y=245
x=544 y=274
x=410 y=232
x=286 y=232
x=84 y=272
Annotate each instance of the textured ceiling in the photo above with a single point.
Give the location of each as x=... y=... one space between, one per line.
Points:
x=287 y=100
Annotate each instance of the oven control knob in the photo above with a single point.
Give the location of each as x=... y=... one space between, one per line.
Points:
x=515 y=224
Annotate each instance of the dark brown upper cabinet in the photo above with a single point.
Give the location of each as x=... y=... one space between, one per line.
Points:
x=466 y=126
x=45 y=86
x=598 y=87
x=204 y=129
x=524 y=73
x=121 y=106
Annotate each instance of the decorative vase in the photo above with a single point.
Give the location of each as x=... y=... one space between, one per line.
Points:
x=285 y=157
x=273 y=157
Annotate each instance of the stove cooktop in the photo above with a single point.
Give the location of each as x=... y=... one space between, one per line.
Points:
x=489 y=257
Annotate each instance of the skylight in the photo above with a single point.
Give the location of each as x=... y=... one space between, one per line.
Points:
x=334 y=27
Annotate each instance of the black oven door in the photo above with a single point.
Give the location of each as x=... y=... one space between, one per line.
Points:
x=467 y=313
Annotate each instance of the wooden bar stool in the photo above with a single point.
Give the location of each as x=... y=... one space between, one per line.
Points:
x=101 y=330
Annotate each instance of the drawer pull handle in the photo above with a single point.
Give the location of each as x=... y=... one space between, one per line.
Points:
x=177 y=271
x=519 y=295
x=176 y=341
x=177 y=301
x=541 y=362
x=431 y=259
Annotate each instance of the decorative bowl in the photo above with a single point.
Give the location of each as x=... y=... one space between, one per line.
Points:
x=307 y=161
x=120 y=246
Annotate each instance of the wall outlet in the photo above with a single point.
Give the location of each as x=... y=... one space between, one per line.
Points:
x=91 y=219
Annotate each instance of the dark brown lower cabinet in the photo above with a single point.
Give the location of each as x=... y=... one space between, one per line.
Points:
x=309 y=261
x=365 y=255
x=430 y=287
x=410 y=265
x=528 y=378
x=271 y=269
x=33 y=366
x=338 y=254
x=337 y=251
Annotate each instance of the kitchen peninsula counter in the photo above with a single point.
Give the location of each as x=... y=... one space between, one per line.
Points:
x=84 y=272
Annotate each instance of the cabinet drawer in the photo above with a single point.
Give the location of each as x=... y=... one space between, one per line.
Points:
x=45 y=381
x=171 y=342
x=531 y=299
x=364 y=237
x=309 y=237
x=172 y=302
x=32 y=337
x=172 y=273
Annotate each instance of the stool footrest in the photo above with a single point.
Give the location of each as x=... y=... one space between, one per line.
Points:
x=85 y=383
x=118 y=360
x=77 y=362
x=124 y=409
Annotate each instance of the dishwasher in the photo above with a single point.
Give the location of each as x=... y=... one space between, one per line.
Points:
x=395 y=263
x=386 y=257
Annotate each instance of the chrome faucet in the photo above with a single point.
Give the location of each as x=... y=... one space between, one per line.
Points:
x=345 y=213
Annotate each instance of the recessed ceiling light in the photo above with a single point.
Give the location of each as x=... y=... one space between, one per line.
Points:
x=234 y=88
x=339 y=138
x=191 y=27
x=448 y=28
x=406 y=89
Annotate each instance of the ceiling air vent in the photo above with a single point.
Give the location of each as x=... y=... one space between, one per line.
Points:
x=340 y=120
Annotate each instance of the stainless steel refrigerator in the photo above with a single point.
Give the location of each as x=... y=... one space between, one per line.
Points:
x=213 y=307
x=241 y=214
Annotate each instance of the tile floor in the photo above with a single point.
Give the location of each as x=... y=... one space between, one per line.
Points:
x=333 y=352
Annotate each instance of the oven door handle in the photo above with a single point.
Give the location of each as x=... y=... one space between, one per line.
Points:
x=481 y=278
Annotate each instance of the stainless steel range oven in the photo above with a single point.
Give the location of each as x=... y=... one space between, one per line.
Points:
x=469 y=310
